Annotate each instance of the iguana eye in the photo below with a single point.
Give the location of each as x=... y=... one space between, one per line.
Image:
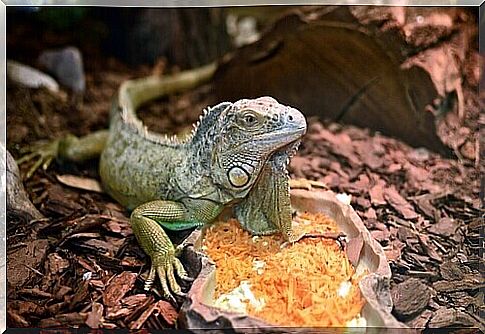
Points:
x=250 y=119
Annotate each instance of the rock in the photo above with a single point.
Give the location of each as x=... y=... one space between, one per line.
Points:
x=67 y=66
x=19 y=206
x=410 y=298
x=30 y=77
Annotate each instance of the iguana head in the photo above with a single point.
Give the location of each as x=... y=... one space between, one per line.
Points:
x=249 y=133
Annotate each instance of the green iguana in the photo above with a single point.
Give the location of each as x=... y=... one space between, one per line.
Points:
x=236 y=155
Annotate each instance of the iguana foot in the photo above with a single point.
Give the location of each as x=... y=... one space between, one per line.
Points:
x=326 y=235
x=42 y=153
x=147 y=221
x=166 y=266
x=291 y=238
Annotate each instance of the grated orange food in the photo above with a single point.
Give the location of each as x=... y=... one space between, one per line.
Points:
x=299 y=283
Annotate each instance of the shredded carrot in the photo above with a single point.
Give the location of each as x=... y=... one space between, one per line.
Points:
x=299 y=284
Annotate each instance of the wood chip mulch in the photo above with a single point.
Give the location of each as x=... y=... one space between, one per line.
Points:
x=82 y=265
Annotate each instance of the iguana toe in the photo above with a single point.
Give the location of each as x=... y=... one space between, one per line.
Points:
x=43 y=153
x=162 y=277
x=181 y=272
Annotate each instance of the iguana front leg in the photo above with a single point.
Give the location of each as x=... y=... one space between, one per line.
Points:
x=267 y=208
x=147 y=221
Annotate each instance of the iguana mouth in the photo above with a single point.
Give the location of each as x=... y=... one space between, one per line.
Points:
x=291 y=148
x=291 y=138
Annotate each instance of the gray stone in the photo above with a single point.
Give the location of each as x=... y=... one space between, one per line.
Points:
x=67 y=66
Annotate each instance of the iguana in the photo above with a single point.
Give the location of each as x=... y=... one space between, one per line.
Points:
x=236 y=155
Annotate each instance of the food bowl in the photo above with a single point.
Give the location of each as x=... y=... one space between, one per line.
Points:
x=199 y=312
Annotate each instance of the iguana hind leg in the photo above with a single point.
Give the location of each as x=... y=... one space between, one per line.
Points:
x=147 y=221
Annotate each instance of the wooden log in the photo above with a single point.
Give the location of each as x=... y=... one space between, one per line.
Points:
x=384 y=68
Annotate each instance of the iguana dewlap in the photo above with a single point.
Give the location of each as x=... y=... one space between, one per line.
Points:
x=236 y=156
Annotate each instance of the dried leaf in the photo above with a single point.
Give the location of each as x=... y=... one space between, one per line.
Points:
x=79 y=182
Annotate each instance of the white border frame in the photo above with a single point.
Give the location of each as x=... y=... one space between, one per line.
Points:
x=161 y=3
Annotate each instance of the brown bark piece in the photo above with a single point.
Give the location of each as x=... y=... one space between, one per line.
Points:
x=468 y=282
x=410 y=298
x=399 y=203
x=446 y=317
x=451 y=271
x=25 y=307
x=421 y=320
x=167 y=311
x=380 y=235
x=376 y=194
x=445 y=227
x=370 y=152
x=118 y=287
x=424 y=203
x=56 y=264
x=16 y=320
x=61 y=291
x=425 y=244
x=82 y=292
x=138 y=323
x=64 y=320
x=120 y=227
x=22 y=261
x=127 y=307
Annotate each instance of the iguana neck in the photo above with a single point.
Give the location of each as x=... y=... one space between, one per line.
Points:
x=201 y=143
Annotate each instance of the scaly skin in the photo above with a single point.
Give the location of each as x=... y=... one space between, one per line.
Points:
x=236 y=155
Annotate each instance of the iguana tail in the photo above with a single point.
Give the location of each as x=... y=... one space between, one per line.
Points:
x=133 y=93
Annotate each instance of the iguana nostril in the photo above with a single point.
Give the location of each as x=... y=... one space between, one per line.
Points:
x=290 y=118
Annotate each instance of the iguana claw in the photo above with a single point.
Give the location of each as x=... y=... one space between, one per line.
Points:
x=45 y=152
x=166 y=269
